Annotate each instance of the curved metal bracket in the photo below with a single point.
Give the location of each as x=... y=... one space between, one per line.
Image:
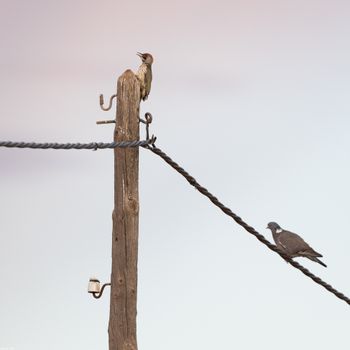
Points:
x=147 y=121
x=110 y=102
x=98 y=295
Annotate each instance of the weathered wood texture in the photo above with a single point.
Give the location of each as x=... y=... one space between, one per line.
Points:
x=122 y=319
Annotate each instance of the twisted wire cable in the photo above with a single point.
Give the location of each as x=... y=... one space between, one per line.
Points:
x=68 y=146
x=192 y=181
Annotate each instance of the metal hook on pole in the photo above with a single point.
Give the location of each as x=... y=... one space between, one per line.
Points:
x=110 y=102
x=148 y=120
x=95 y=289
x=106 y=109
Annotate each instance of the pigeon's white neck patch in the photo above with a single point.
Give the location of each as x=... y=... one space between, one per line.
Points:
x=279 y=230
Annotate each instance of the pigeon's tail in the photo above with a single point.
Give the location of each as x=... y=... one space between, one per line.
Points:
x=313 y=258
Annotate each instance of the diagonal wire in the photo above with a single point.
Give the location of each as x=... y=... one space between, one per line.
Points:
x=68 y=146
x=240 y=222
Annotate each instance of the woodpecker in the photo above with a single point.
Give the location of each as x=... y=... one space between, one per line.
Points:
x=144 y=74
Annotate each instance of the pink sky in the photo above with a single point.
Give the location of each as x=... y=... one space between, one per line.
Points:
x=252 y=97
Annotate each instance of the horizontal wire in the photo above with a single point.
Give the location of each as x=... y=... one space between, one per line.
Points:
x=68 y=146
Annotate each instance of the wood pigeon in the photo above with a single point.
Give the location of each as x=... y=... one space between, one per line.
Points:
x=292 y=244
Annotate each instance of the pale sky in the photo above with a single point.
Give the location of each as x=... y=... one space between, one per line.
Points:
x=251 y=97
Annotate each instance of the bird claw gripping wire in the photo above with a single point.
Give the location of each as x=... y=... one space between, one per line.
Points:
x=148 y=120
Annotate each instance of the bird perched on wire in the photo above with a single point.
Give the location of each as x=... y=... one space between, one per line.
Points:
x=144 y=74
x=292 y=244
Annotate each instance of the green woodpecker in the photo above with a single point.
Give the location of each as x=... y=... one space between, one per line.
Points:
x=144 y=74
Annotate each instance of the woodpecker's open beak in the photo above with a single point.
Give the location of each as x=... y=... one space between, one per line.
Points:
x=139 y=54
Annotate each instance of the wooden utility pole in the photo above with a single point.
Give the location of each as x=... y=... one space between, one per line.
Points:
x=122 y=317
